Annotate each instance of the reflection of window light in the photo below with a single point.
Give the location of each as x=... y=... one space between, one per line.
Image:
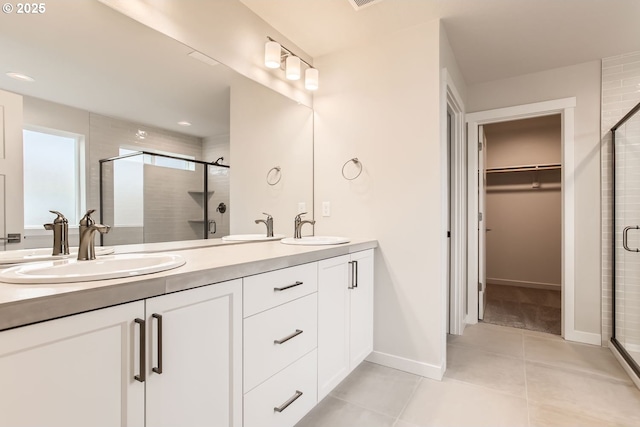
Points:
x=53 y=175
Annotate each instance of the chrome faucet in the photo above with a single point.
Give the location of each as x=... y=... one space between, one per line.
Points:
x=87 y=229
x=298 y=223
x=60 y=227
x=268 y=222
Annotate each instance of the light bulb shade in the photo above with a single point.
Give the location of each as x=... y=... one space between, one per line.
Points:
x=311 y=79
x=293 y=67
x=272 y=52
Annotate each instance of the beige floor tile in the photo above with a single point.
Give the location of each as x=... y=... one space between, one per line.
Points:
x=548 y=416
x=377 y=388
x=494 y=371
x=583 y=357
x=452 y=403
x=332 y=412
x=592 y=395
x=496 y=339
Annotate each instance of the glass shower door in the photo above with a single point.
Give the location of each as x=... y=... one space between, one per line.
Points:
x=627 y=236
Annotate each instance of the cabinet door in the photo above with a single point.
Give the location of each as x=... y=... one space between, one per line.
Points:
x=74 y=371
x=361 y=307
x=333 y=323
x=200 y=380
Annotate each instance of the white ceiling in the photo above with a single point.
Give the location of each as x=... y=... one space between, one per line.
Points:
x=492 y=39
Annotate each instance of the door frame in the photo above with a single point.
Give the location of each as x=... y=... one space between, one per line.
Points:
x=566 y=108
x=454 y=166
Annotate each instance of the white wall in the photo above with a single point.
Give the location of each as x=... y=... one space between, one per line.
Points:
x=381 y=103
x=583 y=82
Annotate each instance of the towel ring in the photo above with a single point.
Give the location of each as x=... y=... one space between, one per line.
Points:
x=357 y=163
x=278 y=172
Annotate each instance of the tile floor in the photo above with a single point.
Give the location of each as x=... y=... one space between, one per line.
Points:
x=496 y=376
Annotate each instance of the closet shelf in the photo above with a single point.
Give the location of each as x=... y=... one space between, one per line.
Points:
x=525 y=168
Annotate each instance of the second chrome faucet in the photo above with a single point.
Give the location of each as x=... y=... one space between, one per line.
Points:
x=298 y=223
x=268 y=222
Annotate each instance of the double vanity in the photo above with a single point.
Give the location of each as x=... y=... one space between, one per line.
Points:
x=251 y=334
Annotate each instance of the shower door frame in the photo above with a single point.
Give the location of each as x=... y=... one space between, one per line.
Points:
x=614 y=341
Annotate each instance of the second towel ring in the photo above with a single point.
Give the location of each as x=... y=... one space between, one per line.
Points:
x=277 y=172
x=358 y=163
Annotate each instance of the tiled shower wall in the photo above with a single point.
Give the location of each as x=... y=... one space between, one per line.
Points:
x=107 y=135
x=620 y=93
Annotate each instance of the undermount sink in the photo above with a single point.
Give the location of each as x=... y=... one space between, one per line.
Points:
x=106 y=267
x=43 y=254
x=251 y=237
x=315 y=240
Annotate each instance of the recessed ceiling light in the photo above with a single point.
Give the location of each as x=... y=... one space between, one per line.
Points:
x=184 y=123
x=21 y=77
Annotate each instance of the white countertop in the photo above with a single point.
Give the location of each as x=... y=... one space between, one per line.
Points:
x=208 y=261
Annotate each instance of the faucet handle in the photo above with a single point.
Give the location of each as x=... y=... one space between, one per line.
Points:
x=60 y=218
x=268 y=215
x=86 y=219
x=299 y=216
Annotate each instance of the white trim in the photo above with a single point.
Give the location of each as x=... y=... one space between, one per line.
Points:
x=565 y=107
x=407 y=365
x=451 y=100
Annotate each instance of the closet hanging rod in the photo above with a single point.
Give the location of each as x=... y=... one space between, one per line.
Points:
x=525 y=168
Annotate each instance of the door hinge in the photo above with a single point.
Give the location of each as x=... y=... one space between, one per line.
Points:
x=480 y=287
x=479 y=216
x=479 y=146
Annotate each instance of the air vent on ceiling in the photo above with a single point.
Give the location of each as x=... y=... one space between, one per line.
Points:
x=359 y=4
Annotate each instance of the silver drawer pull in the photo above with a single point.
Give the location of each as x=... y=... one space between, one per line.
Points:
x=288 y=337
x=286 y=404
x=287 y=287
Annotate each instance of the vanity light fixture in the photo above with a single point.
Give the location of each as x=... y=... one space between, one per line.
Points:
x=21 y=77
x=141 y=134
x=278 y=56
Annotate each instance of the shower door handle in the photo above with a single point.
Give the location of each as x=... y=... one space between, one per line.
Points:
x=625 y=242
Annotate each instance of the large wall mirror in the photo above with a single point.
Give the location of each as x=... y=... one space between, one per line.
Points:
x=106 y=86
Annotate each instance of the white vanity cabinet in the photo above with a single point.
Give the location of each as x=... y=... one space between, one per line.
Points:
x=280 y=341
x=345 y=316
x=194 y=357
x=87 y=370
x=74 y=371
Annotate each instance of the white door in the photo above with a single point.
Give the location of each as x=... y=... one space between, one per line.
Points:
x=74 y=371
x=361 y=305
x=333 y=323
x=482 y=229
x=11 y=187
x=194 y=364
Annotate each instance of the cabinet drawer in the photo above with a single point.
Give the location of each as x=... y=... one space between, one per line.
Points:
x=260 y=403
x=267 y=290
x=263 y=356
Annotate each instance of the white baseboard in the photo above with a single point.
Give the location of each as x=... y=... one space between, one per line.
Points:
x=525 y=284
x=407 y=365
x=583 y=337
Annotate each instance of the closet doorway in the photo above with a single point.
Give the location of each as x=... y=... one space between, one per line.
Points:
x=523 y=223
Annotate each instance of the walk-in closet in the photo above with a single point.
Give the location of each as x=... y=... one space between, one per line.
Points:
x=523 y=207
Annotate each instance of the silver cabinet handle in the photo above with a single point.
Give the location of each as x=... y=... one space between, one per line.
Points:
x=288 y=337
x=158 y=370
x=354 y=275
x=288 y=287
x=625 y=238
x=11 y=238
x=143 y=353
x=286 y=404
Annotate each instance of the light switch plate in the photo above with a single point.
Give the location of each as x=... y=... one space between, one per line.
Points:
x=326 y=208
x=302 y=207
